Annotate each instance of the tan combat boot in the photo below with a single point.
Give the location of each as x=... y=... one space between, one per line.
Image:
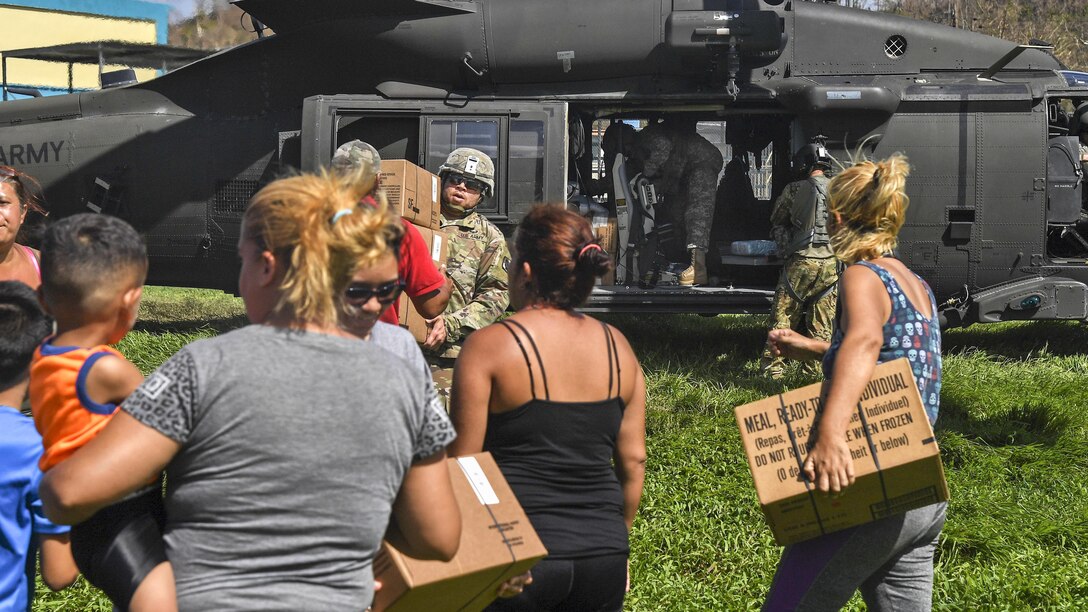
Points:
x=695 y=274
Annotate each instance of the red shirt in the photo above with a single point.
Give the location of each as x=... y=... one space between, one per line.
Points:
x=415 y=268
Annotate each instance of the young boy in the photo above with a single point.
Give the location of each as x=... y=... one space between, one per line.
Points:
x=23 y=527
x=93 y=269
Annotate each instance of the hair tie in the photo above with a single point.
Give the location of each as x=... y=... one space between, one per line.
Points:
x=588 y=247
x=340 y=213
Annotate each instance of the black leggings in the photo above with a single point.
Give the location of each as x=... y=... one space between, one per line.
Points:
x=588 y=584
x=119 y=546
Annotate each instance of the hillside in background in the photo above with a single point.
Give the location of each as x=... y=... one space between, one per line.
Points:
x=216 y=25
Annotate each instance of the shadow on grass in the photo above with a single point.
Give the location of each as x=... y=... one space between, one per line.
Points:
x=1017 y=340
x=219 y=324
x=725 y=351
x=690 y=340
x=1026 y=425
x=705 y=355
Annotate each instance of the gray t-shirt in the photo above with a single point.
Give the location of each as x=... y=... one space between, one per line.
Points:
x=293 y=448
x=400 y=342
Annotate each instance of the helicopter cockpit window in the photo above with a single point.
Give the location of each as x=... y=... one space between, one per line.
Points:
x=526 y=162
x=445 y=135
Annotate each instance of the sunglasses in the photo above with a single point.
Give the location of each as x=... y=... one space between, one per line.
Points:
x=385 y=294
x=470 y=184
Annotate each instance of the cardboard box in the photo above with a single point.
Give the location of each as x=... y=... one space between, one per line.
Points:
x=410 y=319
x=411 y=191
x=605 y=230
x=438 y=243
x=429 y=194
x=497 y=543
x=896 y=460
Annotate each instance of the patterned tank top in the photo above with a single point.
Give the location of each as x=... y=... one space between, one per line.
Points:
x=907 y=333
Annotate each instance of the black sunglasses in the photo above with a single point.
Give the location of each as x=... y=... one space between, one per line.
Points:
x=385 y=294
x=471 y=184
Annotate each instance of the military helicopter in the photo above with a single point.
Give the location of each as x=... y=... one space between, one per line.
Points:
x=995 y=223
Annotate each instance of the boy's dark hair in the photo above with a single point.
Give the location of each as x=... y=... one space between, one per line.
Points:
x=23 y=326
x=81 y=252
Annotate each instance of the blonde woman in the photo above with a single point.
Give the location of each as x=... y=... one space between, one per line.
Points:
x=886 y=312
x=287 y=443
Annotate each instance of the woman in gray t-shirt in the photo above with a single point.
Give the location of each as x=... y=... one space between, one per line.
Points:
x=288 y=443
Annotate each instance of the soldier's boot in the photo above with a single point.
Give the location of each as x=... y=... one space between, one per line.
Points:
x=695 y=274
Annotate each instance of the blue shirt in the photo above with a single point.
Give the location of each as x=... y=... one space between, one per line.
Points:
x=21 y=516
x=907 y=333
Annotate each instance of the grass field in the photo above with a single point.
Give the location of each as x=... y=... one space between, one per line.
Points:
x=1013 y=432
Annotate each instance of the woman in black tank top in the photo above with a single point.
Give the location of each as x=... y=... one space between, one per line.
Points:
x=558 y=398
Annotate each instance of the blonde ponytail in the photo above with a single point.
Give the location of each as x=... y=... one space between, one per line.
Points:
x=318 y=227
x=871 y=203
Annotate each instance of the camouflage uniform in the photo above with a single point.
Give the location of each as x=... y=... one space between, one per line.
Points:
x=1084 y=169
x=807 y=287
x=684 y=168
x=478 y=263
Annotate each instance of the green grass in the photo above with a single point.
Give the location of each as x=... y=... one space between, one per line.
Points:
x=1013 y=432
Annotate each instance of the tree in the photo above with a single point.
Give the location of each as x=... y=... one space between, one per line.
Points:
x=1061 y=23
x=217 y=24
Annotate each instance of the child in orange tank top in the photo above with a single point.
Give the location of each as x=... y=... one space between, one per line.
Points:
x=93 y=269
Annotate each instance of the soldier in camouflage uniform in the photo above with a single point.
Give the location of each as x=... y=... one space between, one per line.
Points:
x=684 y=168
x=808 y=286
x=1084 y=165
x=478 y=261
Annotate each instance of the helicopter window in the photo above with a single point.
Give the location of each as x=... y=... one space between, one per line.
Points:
x=526 y=161
x=445 y=135
x=394 y=137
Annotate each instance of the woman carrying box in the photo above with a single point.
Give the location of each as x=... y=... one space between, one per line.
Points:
x=558 y=398
x=288 y=444
x=886 y=312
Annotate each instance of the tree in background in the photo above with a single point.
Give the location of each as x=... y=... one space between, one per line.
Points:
x=1062 y=23
x=217 y=24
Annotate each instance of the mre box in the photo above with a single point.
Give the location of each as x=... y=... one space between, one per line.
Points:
x=896 y=461
x=412 y=191
x=497 y=543
x=604 y=229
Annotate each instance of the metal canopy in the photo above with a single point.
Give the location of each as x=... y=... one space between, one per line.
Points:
x=133 y=55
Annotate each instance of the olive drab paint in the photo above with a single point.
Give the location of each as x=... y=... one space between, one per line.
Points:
x=180 y=155
x=30 y=153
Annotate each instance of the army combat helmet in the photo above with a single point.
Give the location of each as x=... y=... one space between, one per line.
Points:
x=811 y=156
x=353 y=155
x=471 y=164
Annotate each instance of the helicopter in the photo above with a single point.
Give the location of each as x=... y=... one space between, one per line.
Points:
x=996 y=222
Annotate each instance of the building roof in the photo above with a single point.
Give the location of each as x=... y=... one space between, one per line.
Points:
x=134 y=55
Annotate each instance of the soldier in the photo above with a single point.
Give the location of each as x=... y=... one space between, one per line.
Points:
x=478 y=261
x=807 y=288
x=684 y=168
x=1084 y=163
